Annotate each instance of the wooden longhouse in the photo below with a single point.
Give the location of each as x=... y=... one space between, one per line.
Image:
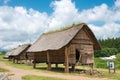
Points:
x=19 y=53
x=71 y=47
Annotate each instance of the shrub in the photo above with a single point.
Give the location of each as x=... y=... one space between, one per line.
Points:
x=99 y=63
x=106 y=52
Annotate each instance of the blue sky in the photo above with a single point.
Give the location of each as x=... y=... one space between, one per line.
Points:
x=44 y=5
x=23 y=21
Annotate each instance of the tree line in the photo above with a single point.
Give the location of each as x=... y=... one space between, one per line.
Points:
x=110 y=46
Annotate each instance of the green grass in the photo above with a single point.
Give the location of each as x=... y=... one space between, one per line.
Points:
x=33 y=77
x=99 y=63
x=23 y=66
x=3 y=70
x=63 y=28
x=40 y=67
x=101 y=66
x=112 y=75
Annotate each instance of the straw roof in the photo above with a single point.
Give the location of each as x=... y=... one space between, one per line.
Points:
x=57 y=40
x=20 y=49
x=9 y=53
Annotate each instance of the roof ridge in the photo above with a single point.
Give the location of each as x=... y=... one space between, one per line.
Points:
x=62 y=29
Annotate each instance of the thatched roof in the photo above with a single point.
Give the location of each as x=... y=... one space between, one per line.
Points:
x=57 y=40
x=9 y=53
x=19 y=49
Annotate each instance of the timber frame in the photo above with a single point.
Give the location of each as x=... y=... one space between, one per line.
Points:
x=71 y=47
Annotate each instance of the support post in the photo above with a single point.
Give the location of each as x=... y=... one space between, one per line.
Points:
x=34 y=65
x=73 y=67
x=56 y=65
x=66 y=60
x=17 y=61
x=20 y=61
x=91 y=72
x=13 y=60
x=48 y=60
x=34 y=62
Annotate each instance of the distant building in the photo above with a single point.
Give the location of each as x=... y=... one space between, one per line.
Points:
x=18 y=54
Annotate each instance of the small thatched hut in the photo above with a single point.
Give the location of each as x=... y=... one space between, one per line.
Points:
x=19 y=53
x=72 y=46
x=7 y=55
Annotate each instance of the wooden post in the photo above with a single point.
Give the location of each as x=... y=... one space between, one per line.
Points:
x=17 y=61
x=20 y=61
x=73 y=67
x=48 y=60
x=34 y=62
x=13 y=60
x=56 y=65
x=66 y=60
x=91 y=70
x=30 y=61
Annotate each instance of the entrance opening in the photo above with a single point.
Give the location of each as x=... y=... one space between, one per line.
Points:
x=77 y=55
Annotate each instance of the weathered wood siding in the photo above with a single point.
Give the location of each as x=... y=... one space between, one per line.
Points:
x=57 y=56
x=83 y=43
x=40 y=57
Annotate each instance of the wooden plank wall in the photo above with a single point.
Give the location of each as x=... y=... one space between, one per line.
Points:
x=57 y=56
x=84 y=44
x=40 y=57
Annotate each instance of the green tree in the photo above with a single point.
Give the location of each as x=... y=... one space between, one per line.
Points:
x=106 y=52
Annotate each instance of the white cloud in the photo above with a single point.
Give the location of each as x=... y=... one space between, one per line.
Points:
x=117 y=3
x=110 y=30
x=20 y=25
x=64 y=13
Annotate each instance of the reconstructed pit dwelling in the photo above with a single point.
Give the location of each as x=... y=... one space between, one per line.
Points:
x=71 y=47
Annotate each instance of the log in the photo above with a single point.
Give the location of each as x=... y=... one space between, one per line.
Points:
x=66 y=60
x=48 y=60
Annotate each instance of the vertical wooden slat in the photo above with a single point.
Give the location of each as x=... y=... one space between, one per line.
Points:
x=48 y=60
x=66 y=60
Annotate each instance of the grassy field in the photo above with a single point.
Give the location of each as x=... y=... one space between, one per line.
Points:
x=100 y=66
x=3 y=70
x=34 y=77
x=100 y=63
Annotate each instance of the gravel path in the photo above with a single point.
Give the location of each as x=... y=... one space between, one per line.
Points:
x=21 y=72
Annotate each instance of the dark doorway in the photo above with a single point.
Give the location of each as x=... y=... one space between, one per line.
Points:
x=77 y=55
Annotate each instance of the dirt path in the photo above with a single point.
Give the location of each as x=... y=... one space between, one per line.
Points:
x=21 y=72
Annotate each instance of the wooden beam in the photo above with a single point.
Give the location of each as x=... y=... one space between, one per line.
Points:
x=34 y=61
x=13 y=60
x=34 y=65
x=92 y=66
x=56 y=65
x=66 y=60
x=48 y=60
